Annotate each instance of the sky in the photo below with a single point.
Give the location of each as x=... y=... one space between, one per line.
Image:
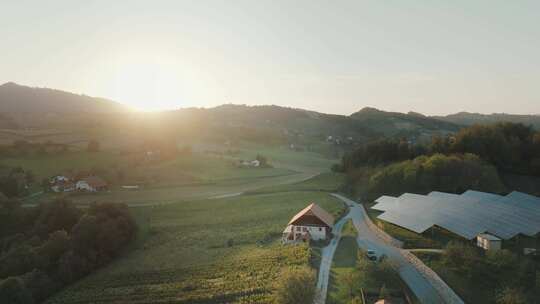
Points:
x=433 y=57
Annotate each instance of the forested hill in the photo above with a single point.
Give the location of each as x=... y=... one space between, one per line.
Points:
x=394 y=123
x=16 y=98
x=466 y=118
x=363 y=126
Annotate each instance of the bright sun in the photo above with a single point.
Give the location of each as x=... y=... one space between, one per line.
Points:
x=147 y=87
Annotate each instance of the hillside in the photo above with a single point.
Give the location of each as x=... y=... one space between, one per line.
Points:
x=466 y=118
x=16 y=98
x=37 y=108
x=402 y=124
x=297 y=125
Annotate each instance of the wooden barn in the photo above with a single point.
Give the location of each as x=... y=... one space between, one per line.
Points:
x=312 y=223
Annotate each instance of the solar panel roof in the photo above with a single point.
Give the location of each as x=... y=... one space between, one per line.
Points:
x=467 y=214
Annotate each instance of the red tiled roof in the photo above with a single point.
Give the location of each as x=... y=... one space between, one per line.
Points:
x=315 y=210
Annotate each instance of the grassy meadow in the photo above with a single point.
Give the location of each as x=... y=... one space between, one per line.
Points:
x=344 y=262
x=202 y=174
x=207 y=251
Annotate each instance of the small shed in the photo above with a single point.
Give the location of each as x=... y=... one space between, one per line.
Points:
x=91 y=184
x=488 y=241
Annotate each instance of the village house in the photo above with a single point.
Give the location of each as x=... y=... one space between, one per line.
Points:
x=248 y=163
x=488 y=241
x=91 y=184
x=312 y=223
x=62 y=183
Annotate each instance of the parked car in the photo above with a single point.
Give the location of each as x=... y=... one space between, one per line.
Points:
x=371 y=254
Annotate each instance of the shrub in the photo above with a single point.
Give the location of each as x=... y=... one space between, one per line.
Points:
x=296 y=286
x=511 y=296
x=13 y=291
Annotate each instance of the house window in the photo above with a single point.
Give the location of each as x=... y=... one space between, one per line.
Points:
x=298 y=228
x=320 y=229
x=304 y=229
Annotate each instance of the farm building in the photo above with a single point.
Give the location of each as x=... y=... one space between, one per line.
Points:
x=312 y=223
x=91 y=184
x=488 y=218
x=248 y=163
x=488 y=241
x=62 y=183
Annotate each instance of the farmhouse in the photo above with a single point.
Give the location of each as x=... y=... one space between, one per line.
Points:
x=91 y=184
x=62 y=183
x=248 y=163
x=312 y=223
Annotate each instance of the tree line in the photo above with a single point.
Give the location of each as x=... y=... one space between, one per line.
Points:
x=502 y=276
x=472 y=158
x=511 y=147
x=46 y=247
x=446 y=173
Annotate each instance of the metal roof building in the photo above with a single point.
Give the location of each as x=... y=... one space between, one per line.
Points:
x=468 y=214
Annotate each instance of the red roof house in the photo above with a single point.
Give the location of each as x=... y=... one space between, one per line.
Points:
x=311 y=223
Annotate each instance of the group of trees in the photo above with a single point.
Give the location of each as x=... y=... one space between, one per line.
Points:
x=382 y=152
x=368 y=276
x=296 y=286
x=510 y=277
x=472 y=158
x=46 y=247
x=15 y=181
x=508 y=146
x=454 y=173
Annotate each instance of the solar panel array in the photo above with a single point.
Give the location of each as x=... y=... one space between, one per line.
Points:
x=467 y=214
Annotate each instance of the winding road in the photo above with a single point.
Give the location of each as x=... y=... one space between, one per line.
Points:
x=367 y=239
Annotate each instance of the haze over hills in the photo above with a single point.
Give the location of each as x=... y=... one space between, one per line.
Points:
x=23 y=106
x=16 y=98
x=394 y=123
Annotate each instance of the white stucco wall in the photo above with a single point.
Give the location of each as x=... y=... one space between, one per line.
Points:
x=82 y=185
x=488 y=244
x=317 y=233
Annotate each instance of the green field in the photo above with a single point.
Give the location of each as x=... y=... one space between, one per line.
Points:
x=186 y=177
x=223 y=250
x=324 y=182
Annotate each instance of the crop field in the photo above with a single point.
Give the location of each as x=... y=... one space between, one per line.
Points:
x=283 y=157
x=207 y=251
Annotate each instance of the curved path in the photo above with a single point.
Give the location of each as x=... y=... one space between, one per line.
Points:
x=367 y=239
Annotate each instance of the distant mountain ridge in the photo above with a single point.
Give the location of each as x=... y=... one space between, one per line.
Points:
x=16 y=98
x=23 y=107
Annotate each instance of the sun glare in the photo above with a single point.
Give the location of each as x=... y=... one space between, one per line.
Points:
x=147 y=86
